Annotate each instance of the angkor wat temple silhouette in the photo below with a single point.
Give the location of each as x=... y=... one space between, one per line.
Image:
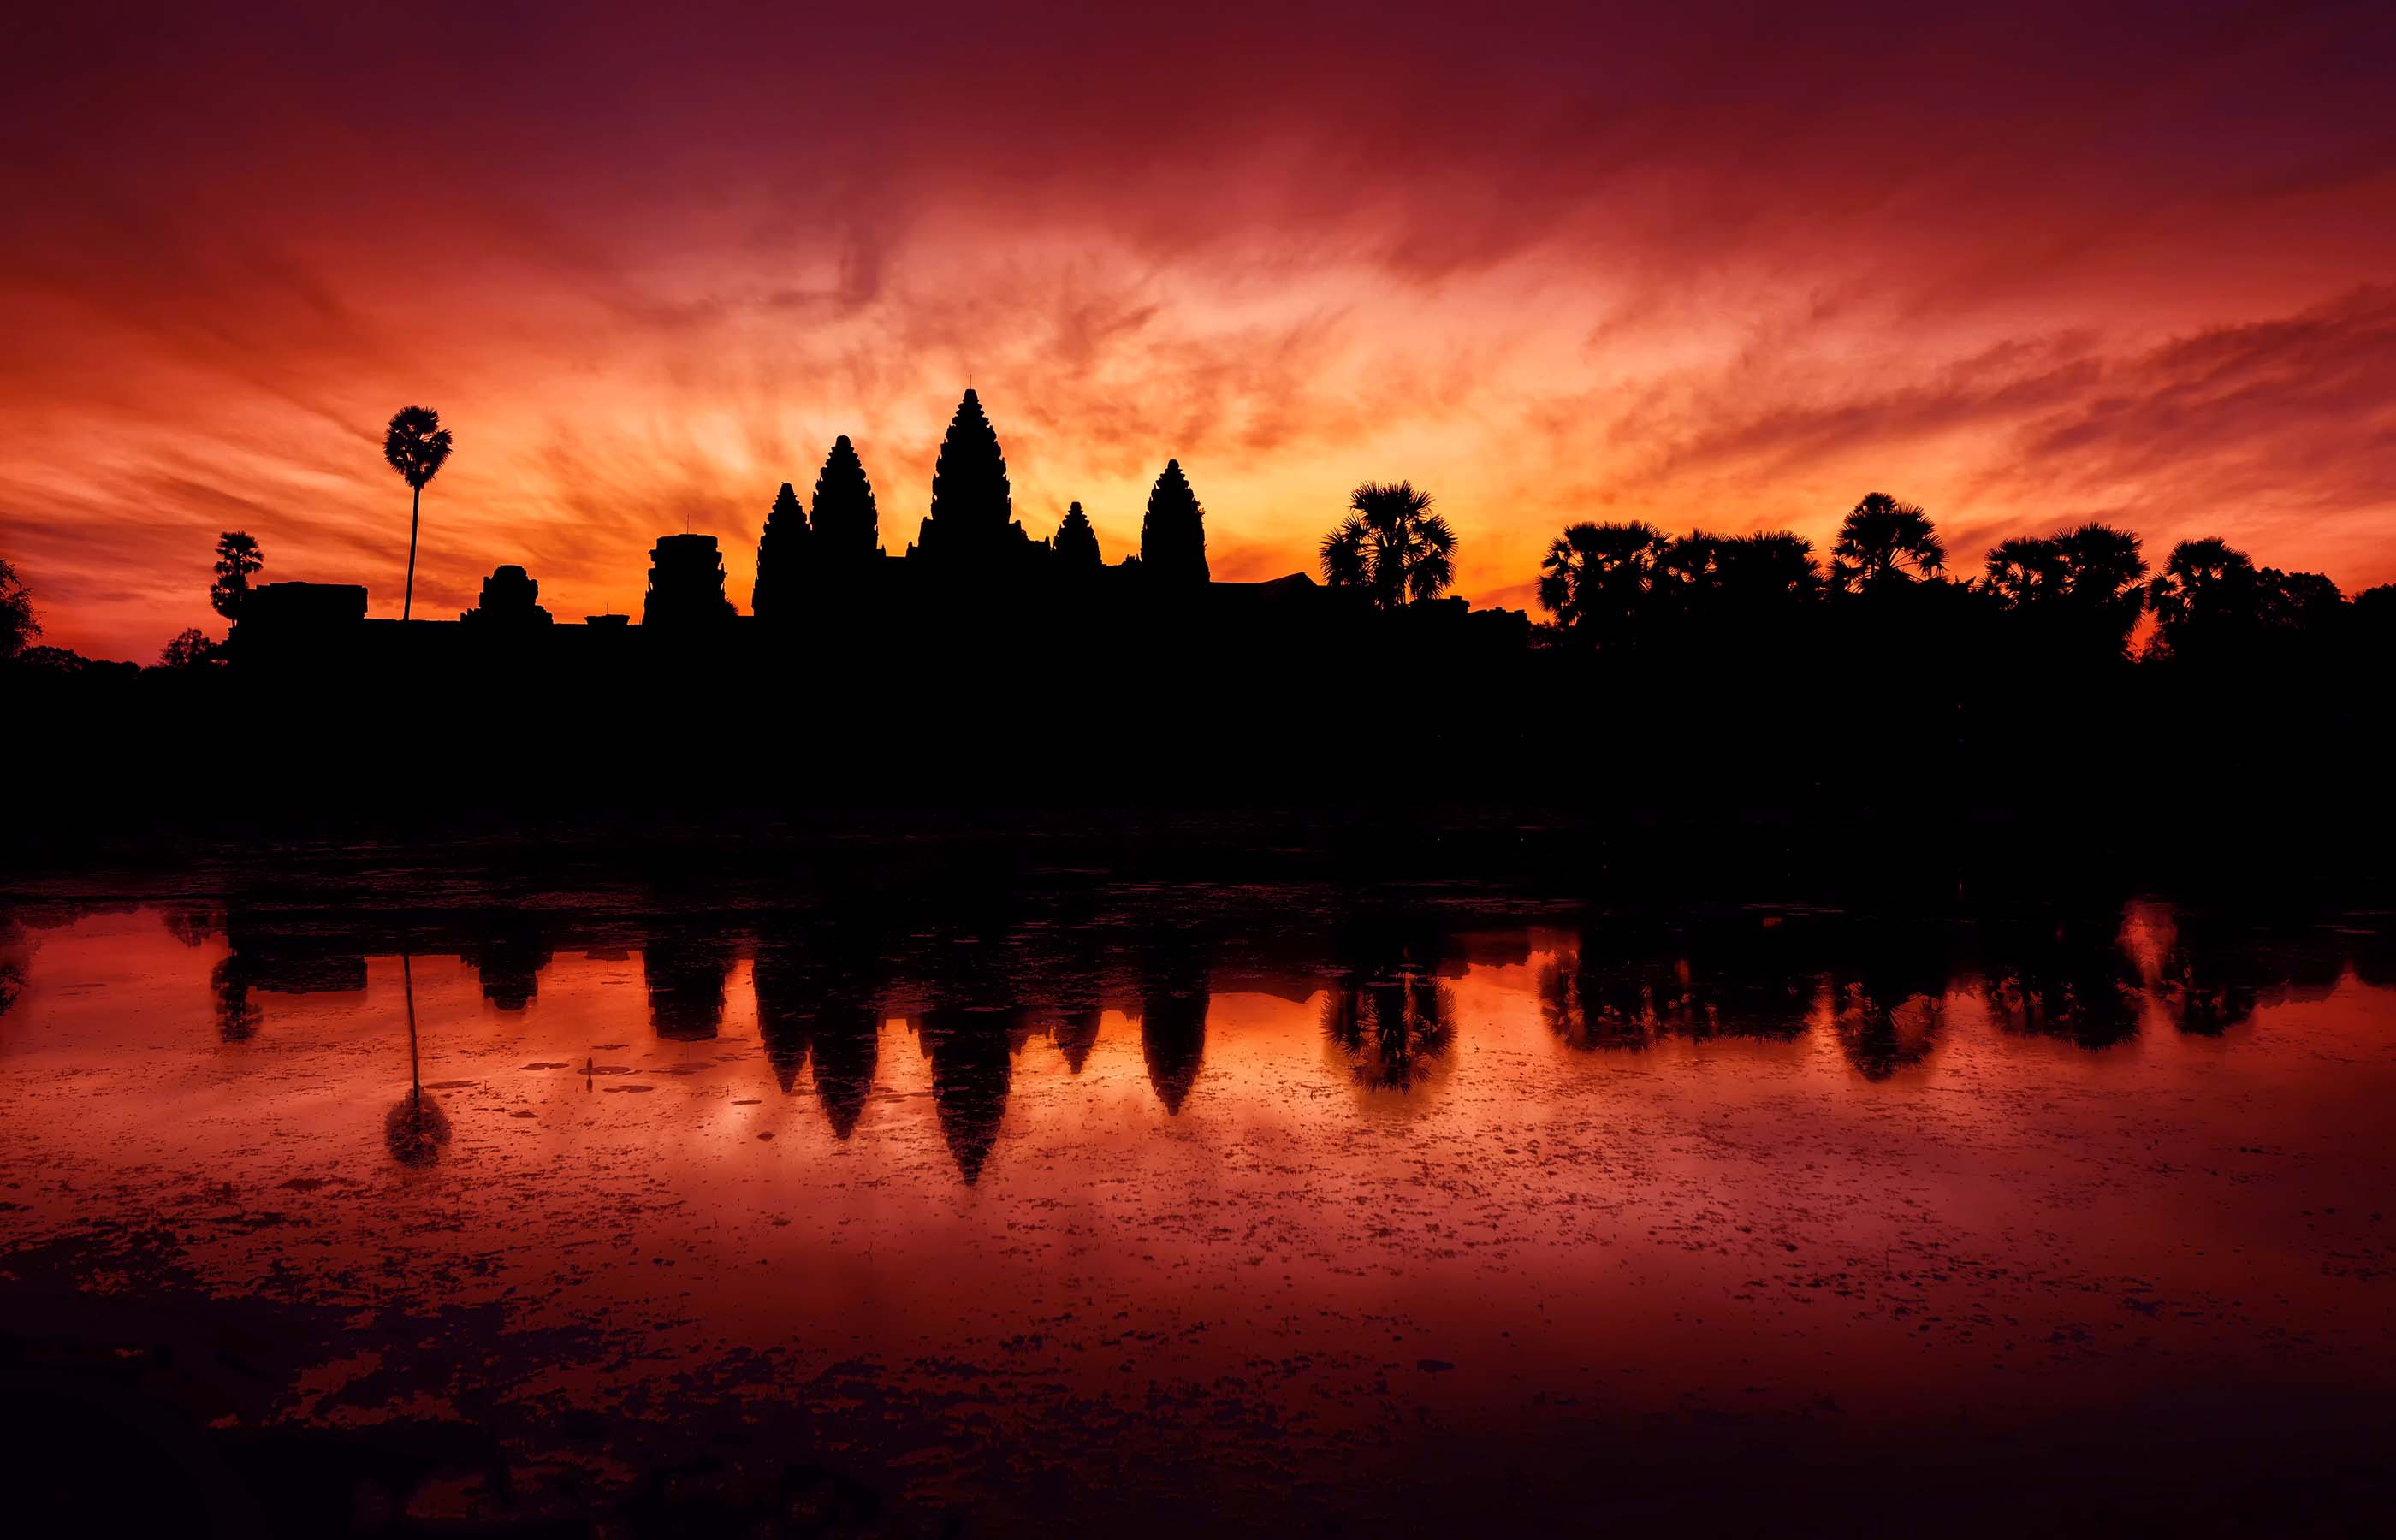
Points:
x=971 y=562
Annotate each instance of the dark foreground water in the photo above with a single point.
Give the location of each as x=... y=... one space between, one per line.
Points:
x=1174 y=1211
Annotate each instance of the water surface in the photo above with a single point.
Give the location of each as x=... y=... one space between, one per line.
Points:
x=1166 y=1207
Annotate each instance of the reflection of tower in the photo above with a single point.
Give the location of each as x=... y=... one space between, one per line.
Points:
x=1173 y=1040
x=510 y=956
x=1075 y=1033
x=685 y=583
x=685 y=974
x=973 y=1066
x=847 y=1045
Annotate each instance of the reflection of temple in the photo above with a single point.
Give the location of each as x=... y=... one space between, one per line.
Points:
x=1075 y=1034
x=972 y=1066
x=972 y=559
x=1173 y=1040
x=509 y=957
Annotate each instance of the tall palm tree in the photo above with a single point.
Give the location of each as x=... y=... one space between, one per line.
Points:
x=238 y=559
x=1601 y=574
x=1392 y=546
x=1882 y=540
x=415 y=444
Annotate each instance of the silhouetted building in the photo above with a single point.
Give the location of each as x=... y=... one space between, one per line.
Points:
x=685 y=583
x=509 y=597
x=847 y=527
x=1173 y=535
x=1076 y=543
x=282 y=608
x=782 y=553
x=972 y=521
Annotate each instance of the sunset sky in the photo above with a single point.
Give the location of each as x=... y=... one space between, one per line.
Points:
x=1725 y=266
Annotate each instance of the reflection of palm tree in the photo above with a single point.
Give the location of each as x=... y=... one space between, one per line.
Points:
x=2064 y=982
x=1393 y=1025
x=1580 y=1008
x=237 y=1019
x=416 y=1129
x=416 y=447
x=1392 y=546
x=1882 y=1032
x=1884 y=540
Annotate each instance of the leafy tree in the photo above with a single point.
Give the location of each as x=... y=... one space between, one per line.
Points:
x=2303 y=603
x=238 y=559
x=1884 y=540
x=416 y=447
x=1076 y=543
x=1392 y=546
x=783 y=553
x=192 y=649
x=847 y=527
x=18 y=624
x=1173 y=535
x=1599 y=576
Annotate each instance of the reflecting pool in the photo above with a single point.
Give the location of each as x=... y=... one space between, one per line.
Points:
x=1183 y=1208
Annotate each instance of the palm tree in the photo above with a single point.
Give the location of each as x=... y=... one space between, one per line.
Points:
x=2026 y=570
x=238 y=559
x=2207 y=585
x=1775 y=565
x=415 y=444
x=1392 y=546
x=1884 y=540
x=1601 y=573
x=2199 y=573
x=2102 y=565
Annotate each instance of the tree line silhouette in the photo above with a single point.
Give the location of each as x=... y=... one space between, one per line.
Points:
x=1735 y=690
